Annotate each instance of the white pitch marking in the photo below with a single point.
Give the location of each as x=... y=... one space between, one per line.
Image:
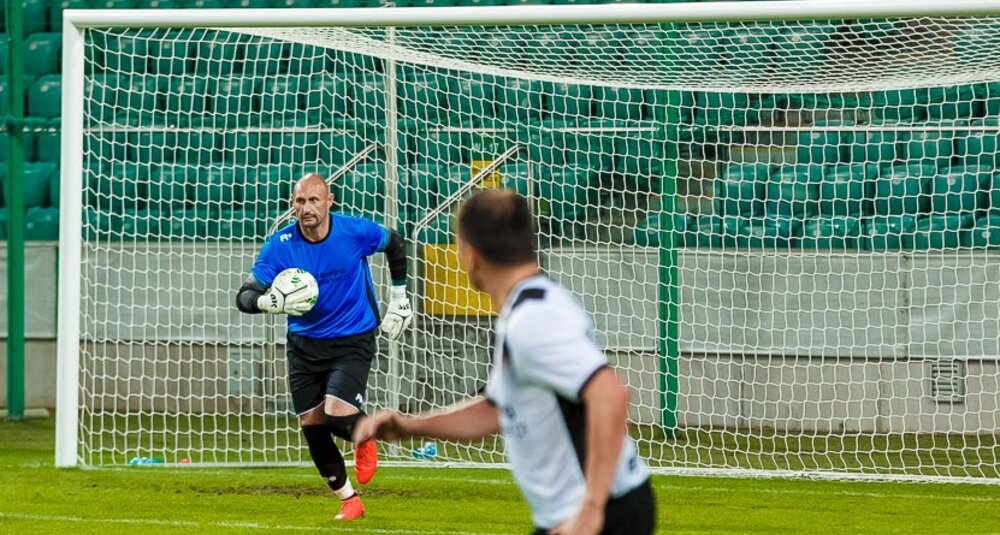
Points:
x=190 y=524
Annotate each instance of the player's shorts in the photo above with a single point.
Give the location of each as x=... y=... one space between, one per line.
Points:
x=633 y=513
x=335 y=367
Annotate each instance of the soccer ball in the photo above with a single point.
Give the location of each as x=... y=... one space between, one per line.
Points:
x=299 y=290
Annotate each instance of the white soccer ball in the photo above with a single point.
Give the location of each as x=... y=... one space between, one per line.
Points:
x=299 y=289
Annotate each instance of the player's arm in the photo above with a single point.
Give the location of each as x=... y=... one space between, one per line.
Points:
x=606 y=400
x=399 y=314
x=248 y=296
x=468 y=420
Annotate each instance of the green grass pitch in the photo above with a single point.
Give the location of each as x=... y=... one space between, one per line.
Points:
x=36 y=498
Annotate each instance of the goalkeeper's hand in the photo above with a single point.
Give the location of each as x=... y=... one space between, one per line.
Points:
x=399 y=314
x=272 y=302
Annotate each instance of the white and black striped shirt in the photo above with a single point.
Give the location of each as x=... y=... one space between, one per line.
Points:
x=545 y=355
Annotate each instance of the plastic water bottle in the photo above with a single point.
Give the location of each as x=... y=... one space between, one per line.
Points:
x=426 y=452
x=142 y=461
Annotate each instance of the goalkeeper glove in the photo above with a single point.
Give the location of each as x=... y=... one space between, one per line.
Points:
x=399 y=314
x=272 y=302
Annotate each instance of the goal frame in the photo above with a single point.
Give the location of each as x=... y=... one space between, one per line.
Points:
x=76 y=22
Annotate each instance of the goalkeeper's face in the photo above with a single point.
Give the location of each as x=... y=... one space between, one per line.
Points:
x=312 y=201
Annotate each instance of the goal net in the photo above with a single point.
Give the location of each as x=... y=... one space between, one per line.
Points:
x=784 y=230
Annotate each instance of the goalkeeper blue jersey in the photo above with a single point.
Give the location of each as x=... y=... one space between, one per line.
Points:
x=346 y=303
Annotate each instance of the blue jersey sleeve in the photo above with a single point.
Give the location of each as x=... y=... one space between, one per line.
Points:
x=265 y=268
x=370 y=236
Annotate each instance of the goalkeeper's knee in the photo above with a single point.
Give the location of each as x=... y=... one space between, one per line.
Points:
x=343 y=426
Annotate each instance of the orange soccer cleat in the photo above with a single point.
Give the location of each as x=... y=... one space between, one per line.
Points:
x=351 y=509
x=365 y=461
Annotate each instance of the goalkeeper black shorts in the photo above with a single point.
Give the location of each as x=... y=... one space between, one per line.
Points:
x=335 y=367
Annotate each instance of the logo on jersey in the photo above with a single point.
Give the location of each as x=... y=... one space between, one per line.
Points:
x=359 y=398
x=285 y=237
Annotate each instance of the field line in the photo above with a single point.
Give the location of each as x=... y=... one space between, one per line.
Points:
x=203 y=525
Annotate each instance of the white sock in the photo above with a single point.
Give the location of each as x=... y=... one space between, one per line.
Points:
x=346 y=491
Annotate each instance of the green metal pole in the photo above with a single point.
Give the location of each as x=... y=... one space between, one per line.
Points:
x=15 y=213
x=668 y=348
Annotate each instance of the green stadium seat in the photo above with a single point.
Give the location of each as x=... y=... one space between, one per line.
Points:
x=951 y=102
x=269 y=188
x=519 y=101
x=127 y=99
x=801 y=49
x=985 y=234
x=438 y=231
x=234 y=101
x=705 y=231
x=640 y=156
x=361 y=191
x=114 y=4
x=54 y=11
x=47 y=146
x=45 y=97
x=649 y=232
x=185 y=225
x=567 y=192
x=569 y=102
x=740 y=190
x=214 y=58
x=167 y=188
x=619 y=103
x=422 y=194
x=100 y=97
x=939 y=231
x=335 y=148
x=580 y=149
x=3 y=56
x=327 y=96
x=171 y=54
x=747 y=48
x=871 y=147
x=426 y=3
x=3 y=223
x=42 y=53
x=444 y=147
x=237 y=225
x=819 y=147
x=422 y=95
x=929 y=148
x=41 y=224
x=35 y=184
x=472 y=99
x=844 y=190
x=900 y=190
x=214 y=187
x=835 y=233
x=807 y=174
x=107 y=146
x=262 y=59
x=959 y=190
x=306 y=59
x=280 y=100
x=791 y=199
x=897 y=106
x=114 y=188
x=989 y=94
x=888 y=233
x=54 y=191
x=166 y=4
x=369 y=99
x=722 y=109
x=248 y=4
x=767 y=233
x=202 y=4
x=981 y=144
x=518 y=177
x=186 y=101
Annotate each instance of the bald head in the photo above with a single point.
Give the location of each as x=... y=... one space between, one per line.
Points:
x=310 y=180
x=311 y=200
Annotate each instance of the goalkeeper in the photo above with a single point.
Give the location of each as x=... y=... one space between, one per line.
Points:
x=330 y=344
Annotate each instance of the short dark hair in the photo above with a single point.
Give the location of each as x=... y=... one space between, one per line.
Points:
x=499 y=226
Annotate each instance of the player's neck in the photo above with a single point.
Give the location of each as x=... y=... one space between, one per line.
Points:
x=505 y=280
x=316 y=234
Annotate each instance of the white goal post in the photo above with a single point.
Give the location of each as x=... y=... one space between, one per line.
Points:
x=782 y=215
